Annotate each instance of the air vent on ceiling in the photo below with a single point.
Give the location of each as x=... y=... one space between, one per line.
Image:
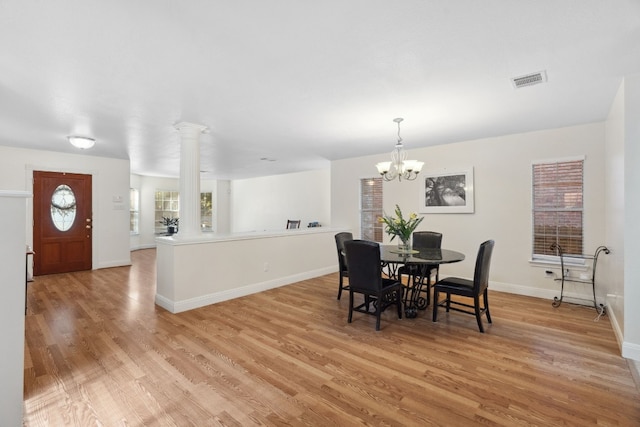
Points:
x=529 y=79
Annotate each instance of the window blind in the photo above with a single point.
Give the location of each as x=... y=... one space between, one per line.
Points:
x=371 y=209
x=558 y=207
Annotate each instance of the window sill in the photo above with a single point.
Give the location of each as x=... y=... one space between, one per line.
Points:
x=574 y=263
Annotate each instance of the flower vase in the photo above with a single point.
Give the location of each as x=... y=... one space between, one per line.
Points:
x=403 y=245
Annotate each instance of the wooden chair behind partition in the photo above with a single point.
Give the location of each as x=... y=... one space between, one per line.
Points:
x=293 y=223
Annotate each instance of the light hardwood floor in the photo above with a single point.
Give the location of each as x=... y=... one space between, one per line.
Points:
x=99 y=352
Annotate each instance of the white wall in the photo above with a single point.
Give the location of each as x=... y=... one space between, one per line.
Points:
x=266 y=203
x=613 y=264
x=110 y=181
x=197 y=272
x=622 y=213
x=223 y=207
x=13 y=206
x=502 y=170
x=631 y=344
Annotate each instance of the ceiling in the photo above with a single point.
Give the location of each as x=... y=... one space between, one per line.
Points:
x=300 y=82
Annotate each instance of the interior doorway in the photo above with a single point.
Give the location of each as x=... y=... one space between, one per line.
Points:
x=62 y=222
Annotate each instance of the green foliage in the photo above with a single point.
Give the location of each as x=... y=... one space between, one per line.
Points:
x=398 y=226
x=170 y=221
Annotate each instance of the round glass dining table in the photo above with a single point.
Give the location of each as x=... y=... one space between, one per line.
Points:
x=391 y=253
x=422 y=260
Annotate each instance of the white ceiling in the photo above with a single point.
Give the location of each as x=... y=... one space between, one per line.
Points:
x=303 y=82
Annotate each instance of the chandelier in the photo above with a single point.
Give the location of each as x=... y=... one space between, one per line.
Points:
x=399 y=166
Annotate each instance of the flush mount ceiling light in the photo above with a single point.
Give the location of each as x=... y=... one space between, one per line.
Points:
x=399 y=167
x=81 y=142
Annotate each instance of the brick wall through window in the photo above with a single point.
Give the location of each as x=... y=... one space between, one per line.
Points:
x=371 y=209
x=558 y=207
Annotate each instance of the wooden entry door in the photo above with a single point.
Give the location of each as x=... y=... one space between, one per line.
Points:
x=62 y=222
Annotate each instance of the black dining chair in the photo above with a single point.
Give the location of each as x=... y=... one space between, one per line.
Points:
x=415 y=273
x=468 y=288
x=365 y=277
x=342 y=264
x=293 y=223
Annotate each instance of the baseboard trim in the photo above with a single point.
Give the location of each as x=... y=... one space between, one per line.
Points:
x=631 y=351
x=204 y=300
x=523 y=290
x=111 y=264
x=613 y=318
x=145 y=246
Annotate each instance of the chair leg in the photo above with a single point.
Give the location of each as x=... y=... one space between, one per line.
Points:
x=435 y=305
x=378 y=313
x=476 y=303
x=399 y=303
x=486 y=305
x=340 y=287
x=448 y=301
x=350 y=306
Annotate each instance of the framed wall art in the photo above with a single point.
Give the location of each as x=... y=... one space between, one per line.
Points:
x=447 y=191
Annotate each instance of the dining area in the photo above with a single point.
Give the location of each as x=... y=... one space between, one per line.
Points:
x=407 y=275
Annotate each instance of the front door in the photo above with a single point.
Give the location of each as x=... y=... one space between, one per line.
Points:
x=62 y=222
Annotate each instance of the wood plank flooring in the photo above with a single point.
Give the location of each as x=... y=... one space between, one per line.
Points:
x=100 y=353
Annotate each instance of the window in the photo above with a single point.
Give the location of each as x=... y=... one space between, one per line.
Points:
x=206 y=211
x=134 y=211
x=557 y=207
x=371 y=209
x=63 y=207
x=168 y=206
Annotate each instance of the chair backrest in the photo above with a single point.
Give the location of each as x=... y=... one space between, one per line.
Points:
x=293 y=223
x=340 y=239
x=427 y=239
x=365 y=269
x=483 y=263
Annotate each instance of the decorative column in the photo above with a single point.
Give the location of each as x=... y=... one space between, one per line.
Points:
x=189 y=179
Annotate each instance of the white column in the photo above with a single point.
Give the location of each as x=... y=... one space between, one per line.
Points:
x=13 y=205
x=189 y=179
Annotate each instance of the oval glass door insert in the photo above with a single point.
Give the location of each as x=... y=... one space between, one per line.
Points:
x=63 y=207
